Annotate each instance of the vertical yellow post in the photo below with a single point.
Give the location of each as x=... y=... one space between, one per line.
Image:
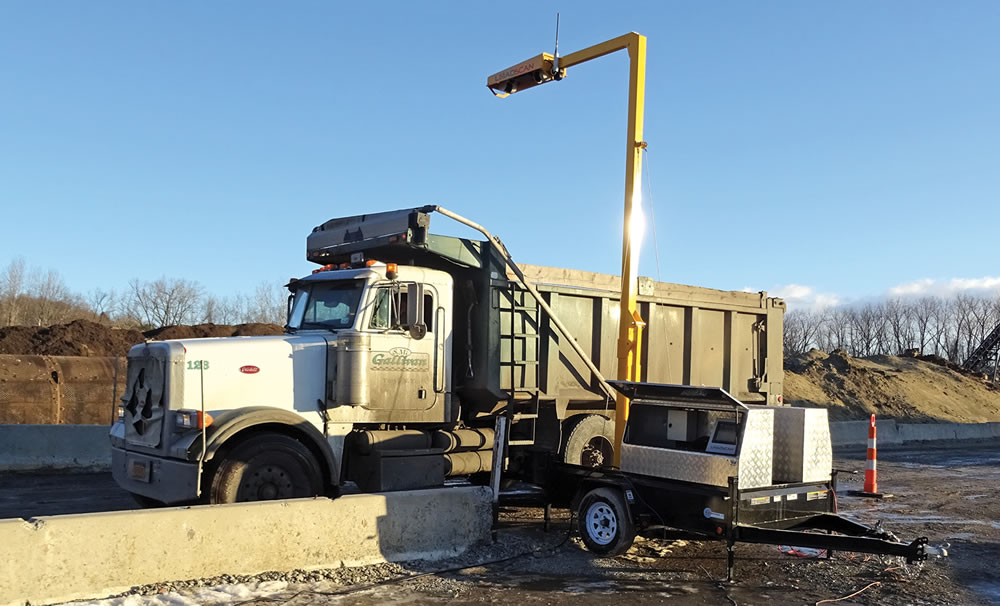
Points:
x=628 y=329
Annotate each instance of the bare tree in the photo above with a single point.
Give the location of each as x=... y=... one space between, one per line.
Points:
x=899 y=317
x=104 y=303
x=51 y=295
x=867 y=329
x=925 y=309
x=12 y=290
x=836 y=329
x=802 y=331
x=164 y=302
x=944 y=330
x=268 y=304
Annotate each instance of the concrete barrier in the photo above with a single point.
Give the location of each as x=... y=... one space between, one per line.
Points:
x=30 y=447
x=58 y=558
x=892 y=433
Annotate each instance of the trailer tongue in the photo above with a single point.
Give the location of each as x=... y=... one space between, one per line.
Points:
x=697 y=459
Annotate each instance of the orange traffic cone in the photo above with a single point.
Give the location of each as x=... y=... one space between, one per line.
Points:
x=871 y=470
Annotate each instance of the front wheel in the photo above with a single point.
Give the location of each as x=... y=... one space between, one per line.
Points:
x=604 y=522
x=265 y=467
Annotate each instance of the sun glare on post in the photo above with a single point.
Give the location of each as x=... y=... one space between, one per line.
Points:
x=636 y=228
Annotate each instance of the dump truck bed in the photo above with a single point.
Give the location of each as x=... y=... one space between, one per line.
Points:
x=693 y=335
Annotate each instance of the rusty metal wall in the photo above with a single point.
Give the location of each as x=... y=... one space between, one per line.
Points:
x=56 y=390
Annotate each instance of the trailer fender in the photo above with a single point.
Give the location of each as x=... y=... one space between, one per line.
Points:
x=616 y=484
x=233 y=424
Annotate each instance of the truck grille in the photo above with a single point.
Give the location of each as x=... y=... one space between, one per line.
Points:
x=143 y=400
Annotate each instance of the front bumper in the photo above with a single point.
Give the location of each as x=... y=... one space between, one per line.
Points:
x=166 y=480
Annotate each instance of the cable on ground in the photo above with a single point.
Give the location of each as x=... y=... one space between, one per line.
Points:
x=846 y=597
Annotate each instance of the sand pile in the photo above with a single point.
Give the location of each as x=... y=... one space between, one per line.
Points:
x=911 y=388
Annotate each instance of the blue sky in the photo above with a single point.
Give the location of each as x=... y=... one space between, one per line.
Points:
x=839 y=149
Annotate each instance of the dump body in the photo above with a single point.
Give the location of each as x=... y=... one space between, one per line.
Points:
x=693 y=336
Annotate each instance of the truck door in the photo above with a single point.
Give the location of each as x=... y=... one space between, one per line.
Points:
x=404 y=362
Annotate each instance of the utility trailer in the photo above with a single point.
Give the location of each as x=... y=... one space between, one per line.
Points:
x=699 y=460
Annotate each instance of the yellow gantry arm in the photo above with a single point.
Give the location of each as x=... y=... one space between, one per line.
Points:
x=542 y=69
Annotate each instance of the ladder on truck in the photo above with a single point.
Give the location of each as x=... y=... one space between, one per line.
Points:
x=520 y=344
x=986 y=355
x=540 y=305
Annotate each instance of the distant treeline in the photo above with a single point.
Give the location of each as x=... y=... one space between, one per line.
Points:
x=41 y=298
x=948 y=327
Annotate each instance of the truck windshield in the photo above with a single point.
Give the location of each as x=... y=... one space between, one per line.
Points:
x=329 y=305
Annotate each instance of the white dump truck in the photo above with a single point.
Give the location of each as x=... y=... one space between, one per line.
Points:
x=401 y=350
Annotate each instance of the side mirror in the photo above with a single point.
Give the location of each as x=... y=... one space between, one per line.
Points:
x=288 y=308
x=415 y=310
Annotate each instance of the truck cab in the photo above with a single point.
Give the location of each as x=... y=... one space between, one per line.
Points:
x=392 y=345
x=364 y=346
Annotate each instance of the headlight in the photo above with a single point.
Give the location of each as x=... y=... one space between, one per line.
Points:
x=191 y=419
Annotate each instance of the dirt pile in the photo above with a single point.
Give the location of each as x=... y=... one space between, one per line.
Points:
x=84 y=338
x=78 y=338
x=200 y=331
x=911 y=388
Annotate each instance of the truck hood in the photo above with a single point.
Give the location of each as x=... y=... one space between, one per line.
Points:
x=229 y=372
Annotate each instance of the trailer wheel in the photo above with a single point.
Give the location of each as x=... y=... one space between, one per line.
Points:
x=265 y=467
x=589 y=442
x=605 y=525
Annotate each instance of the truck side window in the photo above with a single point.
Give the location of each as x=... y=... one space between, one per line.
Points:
x=429 y=312
x=382 y=315
x=388 y=314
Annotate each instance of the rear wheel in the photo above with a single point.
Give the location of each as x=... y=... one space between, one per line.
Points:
x=265 y=467
x=604 y=523
x=589 y=442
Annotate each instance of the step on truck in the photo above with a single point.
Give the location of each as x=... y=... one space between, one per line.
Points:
x=401 y=351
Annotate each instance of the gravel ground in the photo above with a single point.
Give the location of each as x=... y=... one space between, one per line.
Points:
x=945 y=493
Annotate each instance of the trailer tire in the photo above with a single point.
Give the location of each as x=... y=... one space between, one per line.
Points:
x=589 y=442
x=264 y=467
x=604 y=522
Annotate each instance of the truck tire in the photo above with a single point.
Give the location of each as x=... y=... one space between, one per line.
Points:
x=589 y=442
x=604 y=522
x=265 y=467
